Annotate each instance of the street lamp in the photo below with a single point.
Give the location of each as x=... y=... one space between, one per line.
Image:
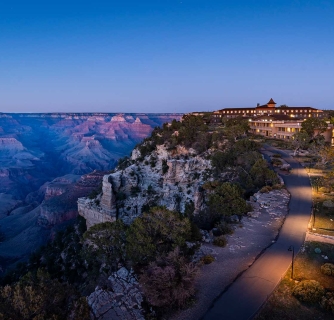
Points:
x=292 y=248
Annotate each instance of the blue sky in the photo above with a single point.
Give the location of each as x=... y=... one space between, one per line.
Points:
x=164 y=55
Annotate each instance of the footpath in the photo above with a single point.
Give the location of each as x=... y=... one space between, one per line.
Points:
x=248 y=293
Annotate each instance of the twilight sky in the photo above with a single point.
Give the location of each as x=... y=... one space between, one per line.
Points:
x=164 y=55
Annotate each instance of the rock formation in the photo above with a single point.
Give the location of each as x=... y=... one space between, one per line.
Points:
x=122 y=299
x=163 y=177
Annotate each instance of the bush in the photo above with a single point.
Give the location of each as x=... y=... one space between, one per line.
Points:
x=327 y=302
x=164 y=166
x=328 y=269
x=207 y=259
x=94 y=194
x=205 y=219
x=123 y=163
x=104 y=242
x=40 y=297
x=266 y=189
x=120 y=196
x=276 y=155
x=276 y=162
x=196 y=234
x=309 y=291
x=155 y=233
x=169 y=281
x=220 y=241
x=226 y=200
x=135 y=190
x=222 y=228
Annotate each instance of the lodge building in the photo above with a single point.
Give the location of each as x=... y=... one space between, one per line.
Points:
x=267 y=109
x=278 y=122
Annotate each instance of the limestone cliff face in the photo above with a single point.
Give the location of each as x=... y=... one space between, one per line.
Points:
x=163 y=177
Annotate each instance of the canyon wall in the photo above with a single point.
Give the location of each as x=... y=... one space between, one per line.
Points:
x=44 y=164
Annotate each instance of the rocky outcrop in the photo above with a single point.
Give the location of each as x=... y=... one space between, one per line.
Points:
x=93 y=213
x=120 y=301
x=166 y=178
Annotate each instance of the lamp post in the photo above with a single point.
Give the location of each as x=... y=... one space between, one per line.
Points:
x=292 y=248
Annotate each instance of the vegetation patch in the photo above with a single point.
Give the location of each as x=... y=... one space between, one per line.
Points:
x=328 y=269
x=309 y=291
x=207 y=259
x=220 y=241
x=283 y=303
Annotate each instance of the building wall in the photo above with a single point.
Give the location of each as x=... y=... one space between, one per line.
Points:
x=293 y=112
x=284 y=129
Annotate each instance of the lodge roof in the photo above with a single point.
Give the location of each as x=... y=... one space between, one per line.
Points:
x=236 y=109
x=271 y=101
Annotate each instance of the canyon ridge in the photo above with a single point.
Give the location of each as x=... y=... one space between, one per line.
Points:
x=48 y=161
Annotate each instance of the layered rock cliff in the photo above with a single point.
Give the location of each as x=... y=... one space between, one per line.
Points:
x=38 y=155
x=163 y=177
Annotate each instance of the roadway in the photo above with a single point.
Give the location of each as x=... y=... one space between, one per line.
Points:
x=250 y=291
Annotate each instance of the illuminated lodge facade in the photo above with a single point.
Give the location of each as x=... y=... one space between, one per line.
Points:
x=268 y=109
x=276 y=122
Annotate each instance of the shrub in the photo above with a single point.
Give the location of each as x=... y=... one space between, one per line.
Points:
x=261 y=174
x=105 y=242
x=135 y=190
x=156 y=232
x=277 y=155
x=169 y=281
x=327 y=301
x=123 y=163
x=196 y=175
x=150 y=190
x=94 y=194
x=196 y=234
x=164 y=166
x=277 y=186
x=40 y=297
x=309 y=291
x=266 y=189
x=222 y=228
x=205 y=219
x=189 y=209
x=328 y=269
x=220 y=241
x=226 y=200
x=153 y=162
x=276 y=162
x=120 y=196
x=207 y=259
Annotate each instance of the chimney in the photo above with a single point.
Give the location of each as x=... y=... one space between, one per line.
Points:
x=257 y=104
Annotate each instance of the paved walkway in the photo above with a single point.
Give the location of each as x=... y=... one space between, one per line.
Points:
x=247 y=294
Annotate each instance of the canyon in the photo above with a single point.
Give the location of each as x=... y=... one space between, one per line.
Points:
x=48 y=161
